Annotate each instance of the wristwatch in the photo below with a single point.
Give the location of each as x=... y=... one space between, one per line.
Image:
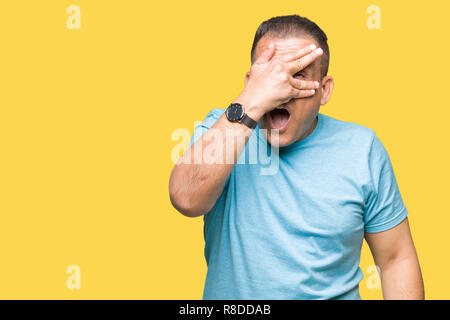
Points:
x=236 y=113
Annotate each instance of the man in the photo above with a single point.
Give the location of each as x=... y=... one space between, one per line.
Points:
x=297 y=233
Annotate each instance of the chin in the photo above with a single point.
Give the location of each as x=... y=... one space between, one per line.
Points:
x=284 y=139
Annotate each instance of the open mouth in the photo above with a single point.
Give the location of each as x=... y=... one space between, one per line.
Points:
x=278 y=119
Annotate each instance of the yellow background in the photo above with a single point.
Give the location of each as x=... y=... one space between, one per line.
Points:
x=87 y=116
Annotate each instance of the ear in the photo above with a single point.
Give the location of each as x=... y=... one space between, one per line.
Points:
x=247 y=76
x=327 y=87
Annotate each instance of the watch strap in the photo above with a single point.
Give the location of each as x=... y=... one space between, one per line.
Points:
x=249 y=122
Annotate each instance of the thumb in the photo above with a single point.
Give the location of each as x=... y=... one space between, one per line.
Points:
x=267 y=54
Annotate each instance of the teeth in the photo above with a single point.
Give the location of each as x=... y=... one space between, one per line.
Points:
x=280 y=107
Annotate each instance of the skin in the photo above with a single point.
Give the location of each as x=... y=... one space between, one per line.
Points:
x=303 y=111
x=394 y=253
x=274 y=80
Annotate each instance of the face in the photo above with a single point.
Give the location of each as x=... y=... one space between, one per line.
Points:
x=300 y=113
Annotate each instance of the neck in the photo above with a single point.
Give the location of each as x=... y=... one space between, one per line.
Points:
x=311 y=129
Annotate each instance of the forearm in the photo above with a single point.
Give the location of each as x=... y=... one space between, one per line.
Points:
x=401 y=279
x=198 y=178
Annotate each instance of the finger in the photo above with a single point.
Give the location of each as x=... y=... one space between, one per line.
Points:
x=287 y=57
x=267 y=54
x=303 y=93
x=295 y=66
x=303 y=84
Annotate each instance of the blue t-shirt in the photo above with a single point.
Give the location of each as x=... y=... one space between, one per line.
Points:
x=297 y=233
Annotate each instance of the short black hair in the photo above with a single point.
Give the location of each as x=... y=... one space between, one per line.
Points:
x=294 y=25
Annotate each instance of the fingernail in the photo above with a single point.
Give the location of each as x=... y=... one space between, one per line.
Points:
x=319 y=51
x=316 y=83
x=313 y=91
x=313 y=46
x=271 y=45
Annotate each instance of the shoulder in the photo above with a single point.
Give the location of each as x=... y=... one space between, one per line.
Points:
x=349 y=133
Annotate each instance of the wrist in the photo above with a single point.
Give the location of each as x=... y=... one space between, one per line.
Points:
x=251 y=107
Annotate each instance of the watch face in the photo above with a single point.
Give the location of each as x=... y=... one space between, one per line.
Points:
x=235 y=112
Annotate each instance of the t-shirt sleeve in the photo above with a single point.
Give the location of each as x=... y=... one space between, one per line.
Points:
x=384 y=207
x=210 y=120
